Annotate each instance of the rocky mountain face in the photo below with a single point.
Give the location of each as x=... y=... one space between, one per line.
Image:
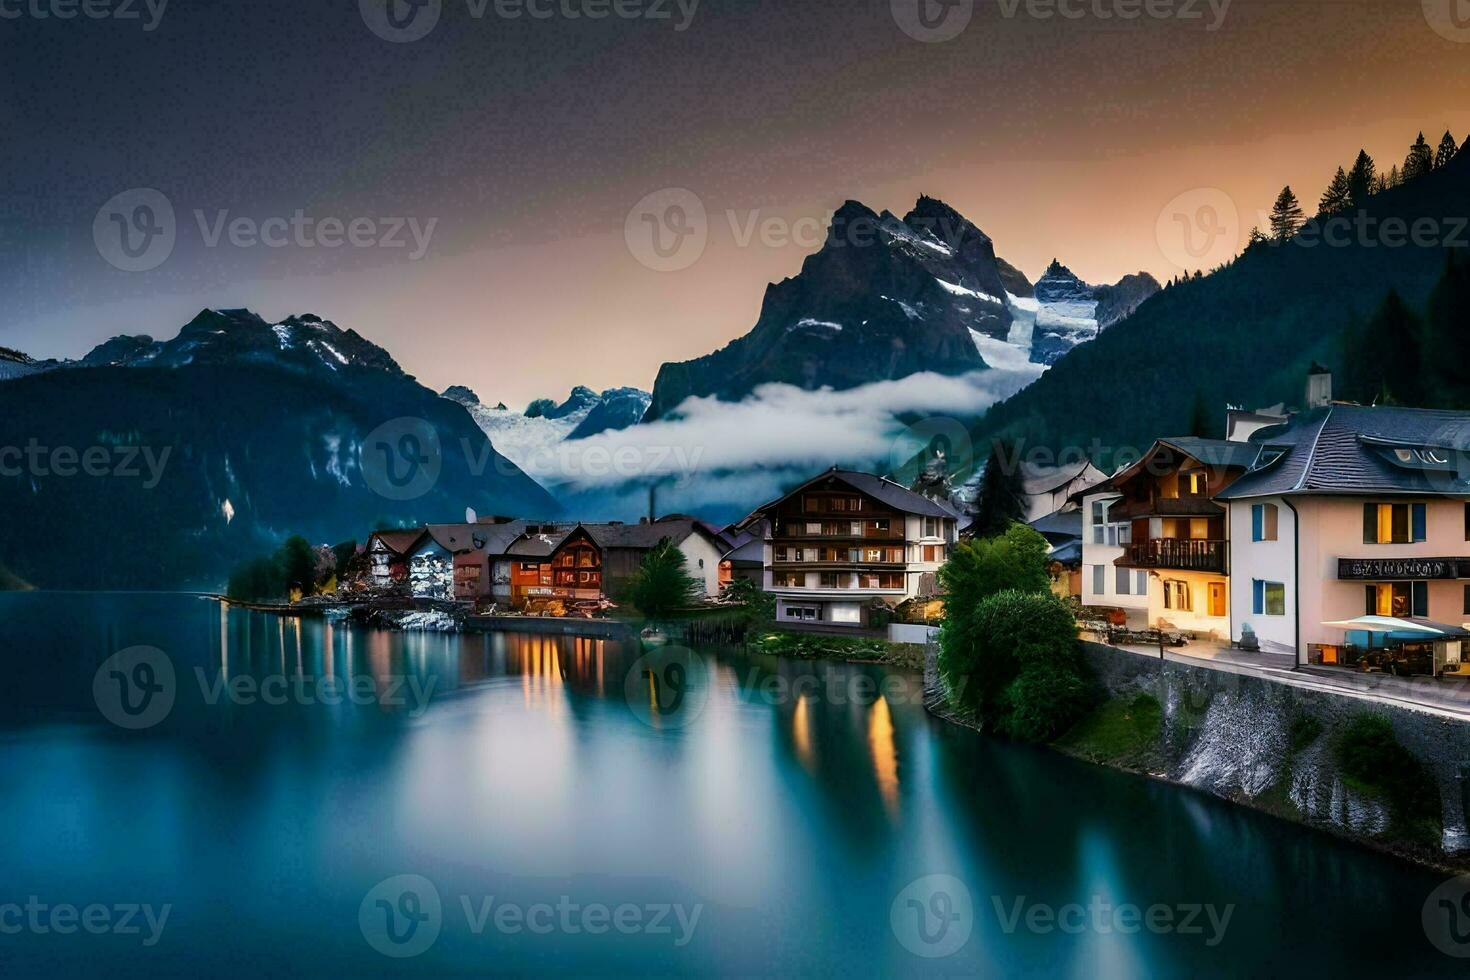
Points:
x=14 y=364
x=210 y=448
x=884 y=298
x=616 y=409
x=1072 y=312
x=546 y=423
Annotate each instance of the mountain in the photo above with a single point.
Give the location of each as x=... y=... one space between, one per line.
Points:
x=1071 y=312
x=14 y=364
x=883 y=298
x=534 y=434
x=616 y=409
x=1247 y=333
x=210 y=448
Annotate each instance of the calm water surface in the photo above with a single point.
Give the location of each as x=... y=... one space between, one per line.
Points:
x=787 y=805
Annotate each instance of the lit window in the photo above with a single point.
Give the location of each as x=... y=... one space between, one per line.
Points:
x=1394 y=523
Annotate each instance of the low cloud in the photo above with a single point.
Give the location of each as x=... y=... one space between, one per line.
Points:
x=726 y=451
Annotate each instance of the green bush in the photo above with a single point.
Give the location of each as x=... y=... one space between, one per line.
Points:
x=1016 y=667
x=661 y=584
x=1372 y=760
x=1303 y=731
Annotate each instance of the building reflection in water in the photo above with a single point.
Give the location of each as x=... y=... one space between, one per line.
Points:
x=801 y=734
x=885 y=752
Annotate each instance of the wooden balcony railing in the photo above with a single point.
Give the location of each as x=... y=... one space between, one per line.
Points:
x=1188 y=554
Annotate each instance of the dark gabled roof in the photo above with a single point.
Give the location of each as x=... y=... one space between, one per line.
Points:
x=1063 y=523
x=1215 y=453
x=492 y=539
x=898 y=497
x=644 y=536
x=399 y=542
x=540 y=541
x=1354 y=449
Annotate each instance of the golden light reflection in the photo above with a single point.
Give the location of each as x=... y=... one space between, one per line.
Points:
x=885 y=752
x=801 y=734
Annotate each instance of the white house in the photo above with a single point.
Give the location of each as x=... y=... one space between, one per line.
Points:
x=1351 y=511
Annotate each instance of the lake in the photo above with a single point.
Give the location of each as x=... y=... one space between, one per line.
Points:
x=191 y=790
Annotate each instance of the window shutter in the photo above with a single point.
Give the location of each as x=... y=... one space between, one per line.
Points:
x=1421 y=522
x=1370 y=523
x=1371 y=608
x=1272 y=516
x=1258 y=596
x=1421 y=596
x=1258 y=521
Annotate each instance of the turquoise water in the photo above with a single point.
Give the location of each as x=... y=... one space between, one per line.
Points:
x=715 y=814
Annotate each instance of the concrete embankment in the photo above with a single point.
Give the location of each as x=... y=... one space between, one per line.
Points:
x=1272 y=745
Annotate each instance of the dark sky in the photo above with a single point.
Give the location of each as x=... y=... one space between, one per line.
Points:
x=518 y=147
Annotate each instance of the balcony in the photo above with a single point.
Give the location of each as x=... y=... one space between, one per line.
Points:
x=1187 y=554
x=1157 y=506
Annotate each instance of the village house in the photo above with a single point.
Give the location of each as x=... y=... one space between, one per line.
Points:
x=388 y=555
x=844 y=539
x=1155 y=539
x=480 y=559
x=589 y=563
x=1351 y=536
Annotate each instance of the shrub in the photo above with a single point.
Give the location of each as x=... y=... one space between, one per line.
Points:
x=661 y=584
x=1372 y=759
x=1303 y=731
x=1017 y=667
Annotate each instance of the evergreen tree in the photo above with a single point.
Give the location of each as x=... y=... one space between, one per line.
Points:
x=1200 y=422
x=661 y=584
x=1338 y=196
x=1362 y=179
x=1446 y=334
x=1002 y=498
x=1447 y=150
x=1420 y=159
x=1383 y=359
x=1286 y=215
x=1257 y=237
x=297 y=564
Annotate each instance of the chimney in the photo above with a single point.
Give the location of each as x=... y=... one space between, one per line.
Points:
x=1319 y=387
x=652 y=502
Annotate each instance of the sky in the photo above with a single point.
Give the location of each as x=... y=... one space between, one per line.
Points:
x=470 y=184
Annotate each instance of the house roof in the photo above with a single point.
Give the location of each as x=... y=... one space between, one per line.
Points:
x=898 y=497
x=752 y=552
x=492 y=539
x=1358 y=449
x=1215 y=453
x=1063 y=523
x=540 y=541
x=644 y=536
x=399 y=542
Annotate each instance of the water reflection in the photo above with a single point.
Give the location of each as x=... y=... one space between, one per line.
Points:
x=796 y=803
